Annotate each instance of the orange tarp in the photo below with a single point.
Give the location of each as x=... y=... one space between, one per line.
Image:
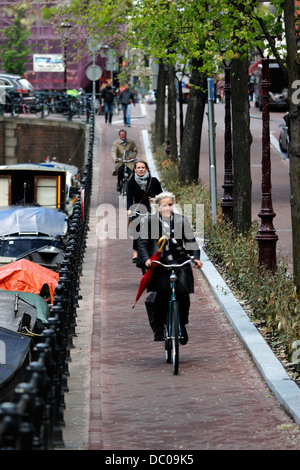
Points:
x=26 y=276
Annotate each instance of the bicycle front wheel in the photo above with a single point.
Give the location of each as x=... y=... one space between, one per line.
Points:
x=123 y=193
x=168 y=345
x=175 y=336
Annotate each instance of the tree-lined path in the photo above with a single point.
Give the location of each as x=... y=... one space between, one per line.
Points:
x=123 y=396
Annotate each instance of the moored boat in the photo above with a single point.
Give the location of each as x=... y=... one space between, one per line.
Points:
x=36 y=233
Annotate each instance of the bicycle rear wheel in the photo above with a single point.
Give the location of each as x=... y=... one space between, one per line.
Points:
x=175 y=337
x=42 y=110
x=17 y=109
x=82 y=113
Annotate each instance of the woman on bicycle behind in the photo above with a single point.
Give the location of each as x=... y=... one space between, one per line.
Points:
x=142 y=188
x=180 y=242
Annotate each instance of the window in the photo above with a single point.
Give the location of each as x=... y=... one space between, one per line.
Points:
x=5 y=185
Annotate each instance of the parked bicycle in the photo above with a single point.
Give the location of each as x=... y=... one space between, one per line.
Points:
x=30 y=105
x=71 y=104
x=172 y=328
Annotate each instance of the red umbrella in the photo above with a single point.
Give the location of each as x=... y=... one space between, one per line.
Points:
x=146 y=279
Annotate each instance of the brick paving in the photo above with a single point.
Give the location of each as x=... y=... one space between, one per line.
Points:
x=122 y=394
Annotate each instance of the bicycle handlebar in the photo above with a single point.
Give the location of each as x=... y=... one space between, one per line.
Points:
x=137 y=213
x=125 y=161
x=191 y=260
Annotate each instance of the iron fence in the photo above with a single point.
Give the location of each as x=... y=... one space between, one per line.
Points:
x=34 y=420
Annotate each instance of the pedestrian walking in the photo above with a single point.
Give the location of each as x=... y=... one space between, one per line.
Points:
x=108 y=95
x=126 y=97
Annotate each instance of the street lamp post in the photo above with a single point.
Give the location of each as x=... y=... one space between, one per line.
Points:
x=65 y=32
x=266 y=236
x=227 y=200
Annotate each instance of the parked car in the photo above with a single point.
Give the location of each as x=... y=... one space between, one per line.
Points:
x=150 y=97
x=12 y=86
x=278 y=91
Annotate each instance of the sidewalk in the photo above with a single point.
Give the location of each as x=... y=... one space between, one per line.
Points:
x=122 y=394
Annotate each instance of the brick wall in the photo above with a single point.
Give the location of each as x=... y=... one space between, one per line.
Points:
x=24 y=140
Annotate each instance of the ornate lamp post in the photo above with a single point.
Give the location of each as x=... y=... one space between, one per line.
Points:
x=65 y=33
x=266 y=236
x=227 y=200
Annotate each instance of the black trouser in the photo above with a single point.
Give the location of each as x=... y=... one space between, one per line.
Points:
x=161 y=303
x=161 y=308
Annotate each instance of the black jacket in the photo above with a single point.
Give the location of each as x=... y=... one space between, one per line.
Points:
x=108 y=94
x=135 y=194
x=148 y=246
x=126 y=96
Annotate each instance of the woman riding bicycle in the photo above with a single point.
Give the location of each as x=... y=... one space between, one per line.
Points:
x=181 y=241
x=142 y=188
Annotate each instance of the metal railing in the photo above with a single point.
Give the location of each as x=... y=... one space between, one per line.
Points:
x=49 y=103
x=34 y=420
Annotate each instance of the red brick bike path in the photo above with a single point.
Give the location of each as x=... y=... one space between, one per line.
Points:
x=130 y=398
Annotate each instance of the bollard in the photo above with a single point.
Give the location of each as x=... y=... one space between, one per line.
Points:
x=37 y=376
x=55 y=391
x=9 y=427
x=25 y=398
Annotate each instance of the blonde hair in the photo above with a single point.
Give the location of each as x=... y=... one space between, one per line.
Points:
x=164 y=195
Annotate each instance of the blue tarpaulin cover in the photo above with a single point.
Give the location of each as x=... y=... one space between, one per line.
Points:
x=32 y=220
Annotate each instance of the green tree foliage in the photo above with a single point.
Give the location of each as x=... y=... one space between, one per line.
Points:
x=205 y=32
x=14 y=49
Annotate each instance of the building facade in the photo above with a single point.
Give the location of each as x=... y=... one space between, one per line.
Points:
x=50 y=65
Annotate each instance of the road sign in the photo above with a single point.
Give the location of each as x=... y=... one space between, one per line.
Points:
x=93 y=72
x=94 y=44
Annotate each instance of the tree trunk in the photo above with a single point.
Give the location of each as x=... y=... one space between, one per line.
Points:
x=190 y=151
x=160 y=106
x=241 y=144
x=294 y=132
x=172 y=121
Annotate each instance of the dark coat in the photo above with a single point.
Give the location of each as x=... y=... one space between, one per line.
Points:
x=135 y=194
x=108 y=94
x=126 y=96
x=148 y=246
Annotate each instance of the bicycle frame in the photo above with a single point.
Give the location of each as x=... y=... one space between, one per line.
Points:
x=173 y=328
x=173 y=279
x=125 y=162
